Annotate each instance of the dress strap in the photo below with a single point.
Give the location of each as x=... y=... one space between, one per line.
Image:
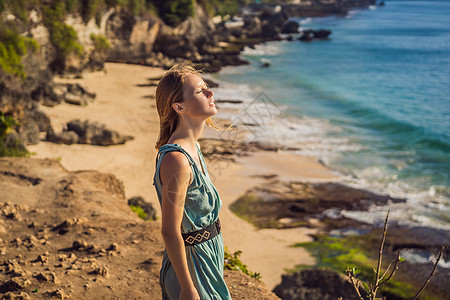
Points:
x=168 y=148
x=173 y=147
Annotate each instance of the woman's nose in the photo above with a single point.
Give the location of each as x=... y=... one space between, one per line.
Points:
x=209 y=93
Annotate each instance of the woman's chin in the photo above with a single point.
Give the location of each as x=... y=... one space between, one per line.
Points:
x=214 y=110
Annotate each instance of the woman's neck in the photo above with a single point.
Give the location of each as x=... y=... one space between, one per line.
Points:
x=188 y=132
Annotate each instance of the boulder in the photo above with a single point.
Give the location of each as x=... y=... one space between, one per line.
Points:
x=65 y=137
x=268 y=205
x=146 y=206
x=290 y=27
x=73 y=94
x=95 y=133
x=309 y=34
x=321 y=33
x=315 y=284
x=270 y=31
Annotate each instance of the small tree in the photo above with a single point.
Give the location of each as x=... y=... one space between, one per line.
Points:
x=382 y=278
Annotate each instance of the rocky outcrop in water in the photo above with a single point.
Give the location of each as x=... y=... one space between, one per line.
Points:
x=282 y=204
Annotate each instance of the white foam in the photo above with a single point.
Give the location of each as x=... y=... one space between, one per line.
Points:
x=414 y=257
x=305 y=21
x=267 y=49
x=319 y=138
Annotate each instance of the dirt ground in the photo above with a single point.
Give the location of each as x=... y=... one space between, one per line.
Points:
x=71 y=235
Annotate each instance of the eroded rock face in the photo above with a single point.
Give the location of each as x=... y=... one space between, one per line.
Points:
x=132 y=38
x=315 y=284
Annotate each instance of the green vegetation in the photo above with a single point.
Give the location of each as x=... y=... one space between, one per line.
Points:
x=62 y=36
x=173 y=12
x=101 y=43
x=223 y=8
x=12 y=48
x=357 y=252
x=10 y=148
x=232 y=262
x=16 y=7
x=140 y=212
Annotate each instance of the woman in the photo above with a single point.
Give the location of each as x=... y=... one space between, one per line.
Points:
x=192 y=266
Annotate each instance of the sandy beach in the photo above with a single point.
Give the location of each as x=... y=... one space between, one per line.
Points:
x=122 y=105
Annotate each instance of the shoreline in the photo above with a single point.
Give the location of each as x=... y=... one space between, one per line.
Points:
x=260 y=248
x=133 y=163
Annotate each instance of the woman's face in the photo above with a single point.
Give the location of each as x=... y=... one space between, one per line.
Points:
x=198 y=99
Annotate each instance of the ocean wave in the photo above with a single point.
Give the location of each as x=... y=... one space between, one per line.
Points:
x=422 y=258
x=262 y=50
x=305 y=21
x=386 y=160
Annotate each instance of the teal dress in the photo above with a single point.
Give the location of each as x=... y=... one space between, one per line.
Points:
x=202 y=206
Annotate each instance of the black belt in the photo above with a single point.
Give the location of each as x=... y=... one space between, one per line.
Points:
x=202 y=235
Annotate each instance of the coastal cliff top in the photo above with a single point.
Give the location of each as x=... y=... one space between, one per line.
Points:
x=72 y=234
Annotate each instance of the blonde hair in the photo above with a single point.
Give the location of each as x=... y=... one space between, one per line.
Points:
x=169 y=91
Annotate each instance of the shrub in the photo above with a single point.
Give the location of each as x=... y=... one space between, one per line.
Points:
x=232 y=262
x=173 y=12
x=12 y=48
x=62 y=36
x=16 y=7
x=218 y=7
x=10 y=148
x=140 y=212
x=101 y=43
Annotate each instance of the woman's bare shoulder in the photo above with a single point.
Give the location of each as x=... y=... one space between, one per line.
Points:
x=175 y=161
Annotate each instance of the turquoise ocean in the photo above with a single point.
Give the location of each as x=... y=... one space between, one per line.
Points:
x=372 y=102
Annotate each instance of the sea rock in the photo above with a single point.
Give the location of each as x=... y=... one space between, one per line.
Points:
x=321 y=33
x=290 y=27
x=315 y=284
x=95 y=133
x=269 y=31
x=45 y=94
x=65 y=137
x=265 y=205
x=74 y=94
x=310 y=34
x=252 y=26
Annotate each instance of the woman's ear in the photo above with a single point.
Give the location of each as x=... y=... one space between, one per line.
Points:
x=178 y=107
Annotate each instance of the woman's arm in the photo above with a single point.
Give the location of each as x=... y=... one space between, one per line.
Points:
x=175 y=174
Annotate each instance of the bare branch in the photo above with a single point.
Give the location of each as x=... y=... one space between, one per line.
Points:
x=380 y=253
x=431 y=274
x=397 y=260
x=387 y=269
x=354 y=284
